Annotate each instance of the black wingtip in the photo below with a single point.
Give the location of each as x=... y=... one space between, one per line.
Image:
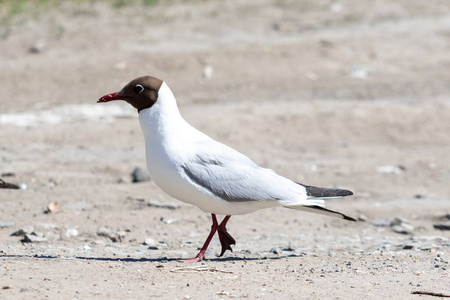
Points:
x=325 y=192
x=346 y=193
x=348 y=218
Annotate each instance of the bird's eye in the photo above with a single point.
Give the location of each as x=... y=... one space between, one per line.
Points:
x=138 y=89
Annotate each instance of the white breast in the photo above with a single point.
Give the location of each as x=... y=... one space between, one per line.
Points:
x=170 y=142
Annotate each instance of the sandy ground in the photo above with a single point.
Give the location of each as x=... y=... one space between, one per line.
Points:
x=350 y=94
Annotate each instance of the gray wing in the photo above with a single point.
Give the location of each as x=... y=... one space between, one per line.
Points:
x=232 y=176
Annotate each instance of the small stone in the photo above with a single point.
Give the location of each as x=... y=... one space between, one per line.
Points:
x=275 y=250
x=408 y=247
x=288 y=248
x=149 y=242
x=360 y=72
x=6 y=224
x=362 y=218
x=32 y=238
x=118 y=237
x=104 y=231
x=402 y=226
x=427 y=247
x=399 y=221
x=71 y=232
x=22 y=231
x=380 y=223
x=442 y=226
x=401 y=229
x=51 y=208
x=8 y=174
x=391 y=169
x=162 y=244
x=37 y=47
x=140 y=175
x=207 y=72
x=169 y=221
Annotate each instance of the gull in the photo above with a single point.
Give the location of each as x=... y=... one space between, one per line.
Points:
x=192 y=167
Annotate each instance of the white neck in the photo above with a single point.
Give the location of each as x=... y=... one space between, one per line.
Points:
x=163 y=120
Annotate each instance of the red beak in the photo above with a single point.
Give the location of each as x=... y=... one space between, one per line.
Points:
x=110 y=97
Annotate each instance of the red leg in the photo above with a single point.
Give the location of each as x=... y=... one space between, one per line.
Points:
x=226 y=240
x=201 y=255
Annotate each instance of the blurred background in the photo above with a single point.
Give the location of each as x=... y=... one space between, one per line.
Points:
x=350 y=94
x=366 y=81
x=334 y=93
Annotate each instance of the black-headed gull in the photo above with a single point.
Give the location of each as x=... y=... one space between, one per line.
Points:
x=193 y=168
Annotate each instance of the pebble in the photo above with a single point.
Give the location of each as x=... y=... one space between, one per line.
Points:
x=140 y=175
x=207 y=72
x=169 y=221
x=51 y=208
x=288 y=248
x=37 y=47
x=71 y=232
x=117 y=237
x=359 y=72
x=391 y=169
x=149 y=242
x=22 y=231
x=402 y=226
x=32 y=238
x=104 y=231
x=6 y=224
x=276 y=250
x=380 y=223
x=401 y=229
x=162 y=244
x=362 y=218
x=442 y=226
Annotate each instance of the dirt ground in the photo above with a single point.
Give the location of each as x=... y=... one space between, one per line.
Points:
x=350 y=94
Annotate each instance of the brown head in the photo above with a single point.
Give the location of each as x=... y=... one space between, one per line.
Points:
x=141 y=92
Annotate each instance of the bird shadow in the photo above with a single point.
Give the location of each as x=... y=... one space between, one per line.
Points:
x=154 y=260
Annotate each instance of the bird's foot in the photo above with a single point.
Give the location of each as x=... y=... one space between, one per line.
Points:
x=226 y=240
x=200 y=256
